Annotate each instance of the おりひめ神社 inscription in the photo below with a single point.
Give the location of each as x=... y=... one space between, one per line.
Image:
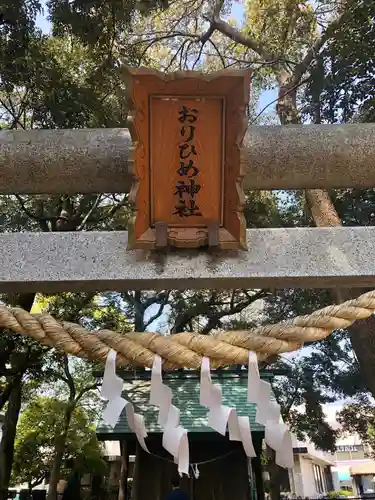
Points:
x=188 y=170
x=187 y=130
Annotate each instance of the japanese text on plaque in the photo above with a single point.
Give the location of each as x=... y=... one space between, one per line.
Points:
x=187 y=187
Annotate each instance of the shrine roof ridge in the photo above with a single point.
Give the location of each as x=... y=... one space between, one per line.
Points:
x=186 y=398
x=184 y=374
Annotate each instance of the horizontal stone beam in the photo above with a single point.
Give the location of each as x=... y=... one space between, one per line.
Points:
x=278 y=258
x=277 y=157
x=64 y=161
x=310 y=156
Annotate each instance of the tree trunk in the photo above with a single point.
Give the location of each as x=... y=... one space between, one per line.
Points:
x=96 y=487
x=361 y=333
x=139 y=313
x=8 y=437
x=59 y=453
x=363 y=342
x=274 y=472
x=147 y=476
x=322 y=209
x=256 y=464
x=25 y=301
x=136 y=476
x=123 y=483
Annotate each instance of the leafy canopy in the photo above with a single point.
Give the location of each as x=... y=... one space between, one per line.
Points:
x=40 y=422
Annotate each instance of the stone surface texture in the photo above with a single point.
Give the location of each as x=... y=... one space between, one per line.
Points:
x=277 y=157
x=310 y=156
x=277 y=258
x=64 y=161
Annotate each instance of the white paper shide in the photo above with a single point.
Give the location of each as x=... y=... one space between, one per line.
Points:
x=111 y=390
x=277 y=435
x=221 y=417
x=175 y=437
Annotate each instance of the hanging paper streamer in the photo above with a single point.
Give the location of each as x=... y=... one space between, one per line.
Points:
x=160 y=394
x=175 y=439
x=277 y=435
x=253 y=378
x=111 y=390
x=219 y=416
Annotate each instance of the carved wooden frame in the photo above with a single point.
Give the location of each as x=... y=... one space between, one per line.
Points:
x=230 y=85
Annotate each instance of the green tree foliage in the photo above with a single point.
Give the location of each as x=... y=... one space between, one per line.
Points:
x=359 y=418
x=99 y=23
x=75 y=387
x=274 y=24
x=343 y=79
x=321 y=373
x=303 y=385
x=39 y=423
x=17 y=32
x=72 y=79
x=341 y=91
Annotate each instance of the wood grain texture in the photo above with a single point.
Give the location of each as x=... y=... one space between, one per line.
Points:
x=165 y=138
x=154 y=140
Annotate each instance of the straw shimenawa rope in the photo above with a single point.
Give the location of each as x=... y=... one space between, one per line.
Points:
x=186 y=349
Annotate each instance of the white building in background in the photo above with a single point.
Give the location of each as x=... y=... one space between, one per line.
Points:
x=353 y=467
x=311 y=475
x=350 y=452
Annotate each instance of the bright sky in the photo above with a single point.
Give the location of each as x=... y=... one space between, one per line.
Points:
x=41 y=20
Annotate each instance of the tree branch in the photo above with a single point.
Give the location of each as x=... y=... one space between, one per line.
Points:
x=292 y=398
x=238 y=37
x=5 y=394
x=161 y=297
x=13 y=114
x=83 y=391
x=70 y=380
x=186 y=316
x=218 y=53
x=89 y=213
x=216 y=23
x=159 y=312
x=214 y=16
x=213 y=322
x=205 y=308
x=26 y=302
x=37 y=481
x=42 y=220
x=138 y=306
x=289 y=91
x=303 y=66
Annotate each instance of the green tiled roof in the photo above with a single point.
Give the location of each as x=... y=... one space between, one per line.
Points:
x=186 y=397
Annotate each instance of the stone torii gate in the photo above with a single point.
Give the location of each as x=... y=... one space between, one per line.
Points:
x=111 y=161
x=276 y=157
x=101 y=160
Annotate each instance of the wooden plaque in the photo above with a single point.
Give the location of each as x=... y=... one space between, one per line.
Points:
x=187 y=130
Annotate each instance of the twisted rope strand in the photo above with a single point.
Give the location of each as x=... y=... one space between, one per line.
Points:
x=185 y=350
